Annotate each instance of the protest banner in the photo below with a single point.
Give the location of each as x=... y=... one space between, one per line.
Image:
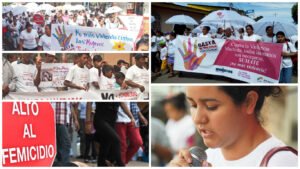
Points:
x=38 y=19
x=252 y=62
x=78 y=38
x=130 y=94
x=28 y=134
x=54 y=74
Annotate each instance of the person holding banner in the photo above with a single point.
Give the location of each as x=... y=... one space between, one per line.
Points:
x=270 y=36
x=26 y=74
x=78 y=76
x=250 y=36
x=230 y=123
x=137 y=76
x=205 y=32
x=288 y=51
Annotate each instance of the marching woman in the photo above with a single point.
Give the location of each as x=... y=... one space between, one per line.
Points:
x=104 y=123
x=229 y=121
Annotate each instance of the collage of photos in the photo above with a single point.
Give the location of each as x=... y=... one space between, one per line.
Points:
x=149 y=84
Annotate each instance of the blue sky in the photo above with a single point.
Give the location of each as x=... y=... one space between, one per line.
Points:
x=266 y=9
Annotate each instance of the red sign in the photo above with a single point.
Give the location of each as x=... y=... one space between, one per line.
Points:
x=38 y=19
x=28 y=134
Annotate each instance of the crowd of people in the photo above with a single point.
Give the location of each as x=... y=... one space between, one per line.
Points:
x=23 y=74
x=21 y=32
x=110 y=133
x=163 y=47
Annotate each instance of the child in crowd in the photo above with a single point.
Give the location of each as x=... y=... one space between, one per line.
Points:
x=107 y=79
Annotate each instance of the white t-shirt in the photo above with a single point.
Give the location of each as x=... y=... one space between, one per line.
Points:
x=141 y=77
x=45 y=42
x=94 y=77
x=25 y=75
x=79 y=76
x=171 y=47
x=80 y=19
x=163 y=53
x=266 y=38
x=254 y=158
x=179 y=132
x=205 y=36
x=156 y=40
x=253 y=37
x=287 y=61
x=107 y=83
x=123 y=69
x=29 y=39
x=154 y=46
x=122 y=116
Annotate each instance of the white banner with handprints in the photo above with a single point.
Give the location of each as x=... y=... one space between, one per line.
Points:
x=99 y=95
x=54 y=74
x=79 y=38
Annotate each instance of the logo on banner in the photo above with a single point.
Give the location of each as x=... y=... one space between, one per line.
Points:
x=220 y=15
x=207 y=46
x=191 y=60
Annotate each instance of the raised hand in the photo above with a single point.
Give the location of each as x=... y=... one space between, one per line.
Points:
x=190 y=58
x=62 y=37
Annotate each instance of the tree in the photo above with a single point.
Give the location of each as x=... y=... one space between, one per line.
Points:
x=295 y=13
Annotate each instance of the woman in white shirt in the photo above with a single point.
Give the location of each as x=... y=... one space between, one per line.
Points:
x=29 y=38
x=45 y=40
x=205 y=32
x=270 y=36
x=228 y=119
x=250 y=36
x=288 y=51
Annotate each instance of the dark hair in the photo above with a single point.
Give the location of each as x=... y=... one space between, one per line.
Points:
x=116 y=69
x=207 y=27
x=97 y=58
x=242 y=29
x=280 y=33
x=239 y=94
x=106 y=68
x=268 y=27
x=178 y=101
x=28 y=25
x=144 y=40
x=81 y=54
x=173 y=34
x=119 y=75
x=250 y=26
x=49 y=26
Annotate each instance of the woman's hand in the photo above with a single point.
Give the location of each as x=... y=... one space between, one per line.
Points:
x=184 y=159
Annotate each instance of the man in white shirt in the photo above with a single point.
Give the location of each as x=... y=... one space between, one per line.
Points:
x=29 y=38
x=78 y=76
x=27 y=75
x=137 y=76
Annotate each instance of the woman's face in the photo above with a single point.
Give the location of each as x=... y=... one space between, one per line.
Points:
x=249 y=30
x=219 y=121
x=280 y=38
